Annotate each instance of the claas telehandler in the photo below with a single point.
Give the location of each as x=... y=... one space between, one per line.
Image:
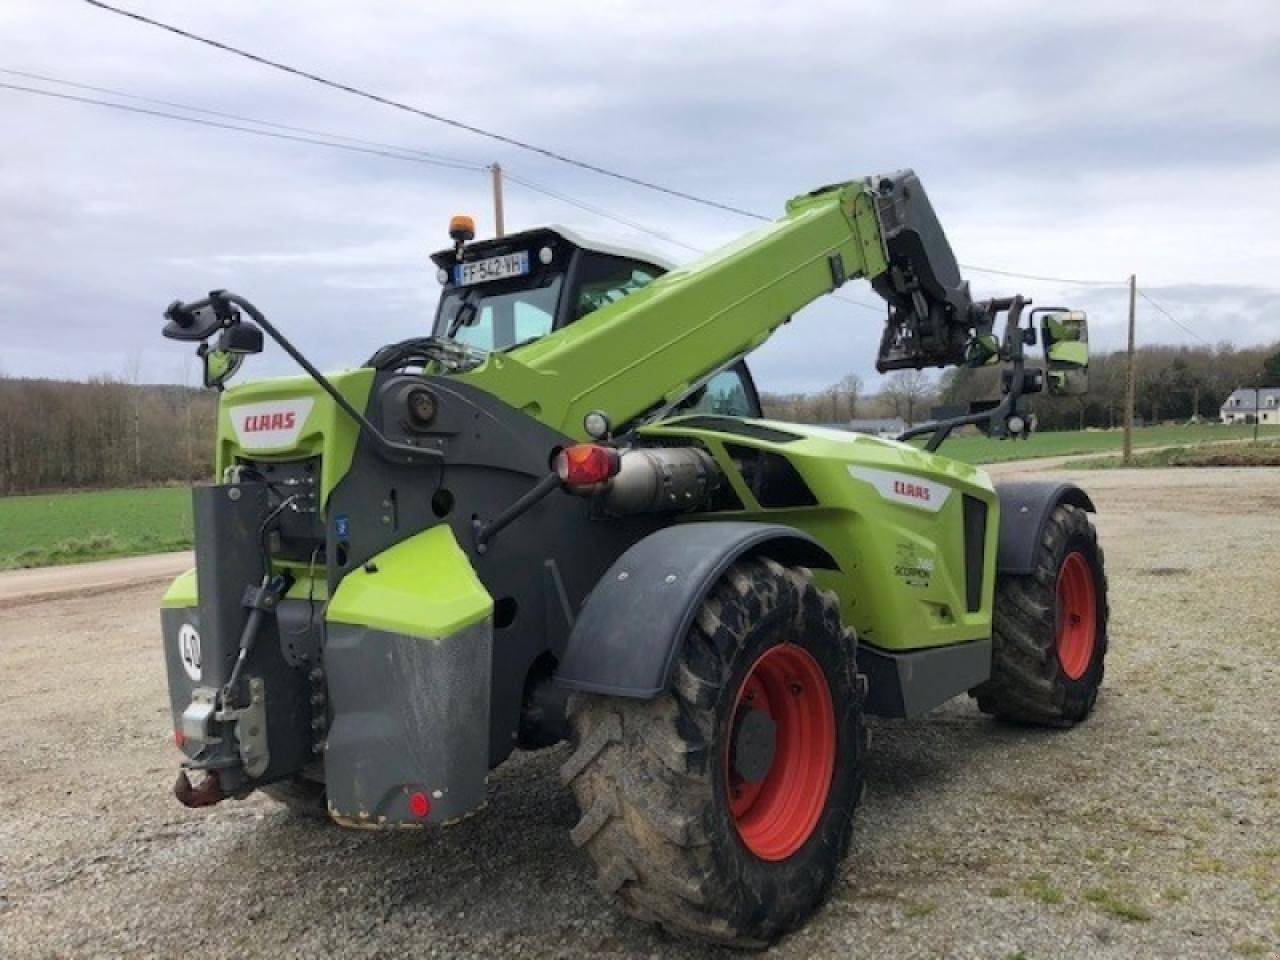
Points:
x=562 y=516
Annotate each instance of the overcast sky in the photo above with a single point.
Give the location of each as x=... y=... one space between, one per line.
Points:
x=1087 y=140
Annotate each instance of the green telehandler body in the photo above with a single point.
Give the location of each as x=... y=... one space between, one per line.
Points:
x=562 y=516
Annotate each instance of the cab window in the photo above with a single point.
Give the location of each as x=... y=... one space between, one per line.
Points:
x=501 y=315
x=607 y=279
x=727 y=394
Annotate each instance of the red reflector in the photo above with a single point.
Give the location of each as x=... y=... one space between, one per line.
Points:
x=586 y=464
x=179 y=738
x=419 y=804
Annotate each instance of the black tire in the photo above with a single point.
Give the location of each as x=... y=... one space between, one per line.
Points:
x=303 y=797
x=652 y=779
x=1029 y=682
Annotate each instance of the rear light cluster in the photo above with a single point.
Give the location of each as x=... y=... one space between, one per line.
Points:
x=586 y=464
x=419 y=804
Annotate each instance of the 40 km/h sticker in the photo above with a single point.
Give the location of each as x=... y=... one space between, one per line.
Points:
x=189 y=651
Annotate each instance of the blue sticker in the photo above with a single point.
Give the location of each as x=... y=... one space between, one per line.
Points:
x=342 y=525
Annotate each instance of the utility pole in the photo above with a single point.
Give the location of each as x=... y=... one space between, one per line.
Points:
x=1131 y=377
x=498 y=219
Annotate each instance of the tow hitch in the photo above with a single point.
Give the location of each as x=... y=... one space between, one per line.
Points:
x=206 y=794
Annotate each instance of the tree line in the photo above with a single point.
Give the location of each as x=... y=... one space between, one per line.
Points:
x=57 y=435
x=1172 y=384
x=107 y=432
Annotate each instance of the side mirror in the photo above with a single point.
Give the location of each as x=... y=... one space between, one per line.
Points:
x=222 y=361
x=242 y=339
x=1066 y=353
x=219 y=365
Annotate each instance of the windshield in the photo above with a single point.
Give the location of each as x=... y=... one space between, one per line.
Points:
x=497 y=316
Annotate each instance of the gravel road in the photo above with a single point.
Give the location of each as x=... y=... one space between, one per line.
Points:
x=85 y=579
x=1152 y=831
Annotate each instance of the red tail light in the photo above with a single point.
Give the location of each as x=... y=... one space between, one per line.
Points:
x=419 y=804
x=586 y=464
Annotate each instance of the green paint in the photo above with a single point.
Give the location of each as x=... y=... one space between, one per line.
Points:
x=219 y=365
x=650 y=346
x=327 y=431
x=182 y=592
x=424 y=587
x=901 y=580
x=1072 y=353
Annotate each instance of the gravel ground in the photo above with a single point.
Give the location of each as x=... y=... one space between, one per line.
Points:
x=1152 y=831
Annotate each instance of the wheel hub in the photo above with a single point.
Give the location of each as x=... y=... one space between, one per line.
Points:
x=754 y=745
x=1077 y=619
x=780 y=754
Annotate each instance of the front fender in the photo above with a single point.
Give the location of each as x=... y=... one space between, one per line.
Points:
x=633 y=622
x=1024 y=509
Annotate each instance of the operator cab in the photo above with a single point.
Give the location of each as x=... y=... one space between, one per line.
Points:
x=509 y=291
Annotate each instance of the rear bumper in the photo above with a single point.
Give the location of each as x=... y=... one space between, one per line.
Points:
x=388 y=685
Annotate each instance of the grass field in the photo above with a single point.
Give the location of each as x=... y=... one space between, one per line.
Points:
x=1064 y=443
x=41 y=530
x=37 y=531
x=1242 y=454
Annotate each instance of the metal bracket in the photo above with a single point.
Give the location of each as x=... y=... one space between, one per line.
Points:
x=198 y=718
x=251 y=729
x=838 y=275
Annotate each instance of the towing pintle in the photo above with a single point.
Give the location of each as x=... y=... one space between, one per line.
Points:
x=204 y=794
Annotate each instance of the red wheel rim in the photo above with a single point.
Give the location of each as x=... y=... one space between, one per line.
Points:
x=1077 y=616
x=776 y=815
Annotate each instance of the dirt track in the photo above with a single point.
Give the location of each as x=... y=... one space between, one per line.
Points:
x=976 y=840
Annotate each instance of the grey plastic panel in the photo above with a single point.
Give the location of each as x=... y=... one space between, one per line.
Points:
x=1024 y=508
x=905 y=685
x=408 y=715
x=632 y=624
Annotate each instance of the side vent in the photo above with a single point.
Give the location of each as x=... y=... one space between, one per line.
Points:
x=772 y=479
x=975 y=541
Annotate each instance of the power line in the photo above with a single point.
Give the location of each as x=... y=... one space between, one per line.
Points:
x=599 y=212
x=513 y=141
x=1173 y=319
x=295 y=138
x=572 y=201
x=1033 y=276
x=427 y=114
x=329 y=135
x=388 y=151
x=509 y=140
x=309 y=136
x=233 y=116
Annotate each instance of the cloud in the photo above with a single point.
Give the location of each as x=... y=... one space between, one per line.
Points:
x=1086 y=140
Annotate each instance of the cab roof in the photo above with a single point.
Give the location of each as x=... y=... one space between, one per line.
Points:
x=584 y=240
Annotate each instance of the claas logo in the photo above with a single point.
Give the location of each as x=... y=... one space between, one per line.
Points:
x=259 y=422
x=914 y=490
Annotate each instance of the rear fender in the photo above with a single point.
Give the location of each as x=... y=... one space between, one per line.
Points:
x=1024 y=510
x=635 y=619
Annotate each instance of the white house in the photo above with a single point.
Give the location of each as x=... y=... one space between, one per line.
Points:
x=1248 y=403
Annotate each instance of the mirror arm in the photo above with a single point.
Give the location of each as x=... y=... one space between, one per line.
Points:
x=941 y=429
x=378 y=437
x=220 y=301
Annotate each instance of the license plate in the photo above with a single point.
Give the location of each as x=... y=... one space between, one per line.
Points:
x=494 y=268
